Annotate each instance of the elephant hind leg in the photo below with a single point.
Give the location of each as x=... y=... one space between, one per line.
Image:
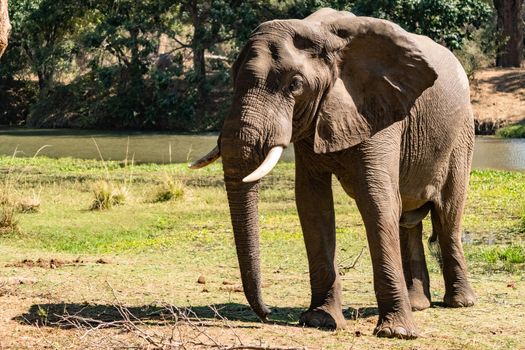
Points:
x=446 y=223
x=415 y=266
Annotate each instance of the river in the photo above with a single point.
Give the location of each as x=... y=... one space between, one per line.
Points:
x=490 y=152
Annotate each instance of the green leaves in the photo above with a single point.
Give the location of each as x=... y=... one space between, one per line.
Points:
x=449 y=22
x=163 y=64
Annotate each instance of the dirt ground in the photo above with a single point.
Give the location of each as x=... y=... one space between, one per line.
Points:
x=77 y=305
x=498 y=96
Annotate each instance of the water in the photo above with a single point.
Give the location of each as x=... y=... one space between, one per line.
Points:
x=493 y=153
x=503 y=154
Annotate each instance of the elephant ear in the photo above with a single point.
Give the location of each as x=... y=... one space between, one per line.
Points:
x=380 y=74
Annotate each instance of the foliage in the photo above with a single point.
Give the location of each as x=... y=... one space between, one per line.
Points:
x=512 y=131
x=8 y=219
x=447 y=21
x=107 y=195
x=169 y=189
x=505 y=258
x=44 y=33
x=164 y=65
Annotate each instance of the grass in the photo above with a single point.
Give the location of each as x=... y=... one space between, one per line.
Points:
x=158 y=249
x=512 y=131
x=169 y=189
x=8 y=219
x=107 y=195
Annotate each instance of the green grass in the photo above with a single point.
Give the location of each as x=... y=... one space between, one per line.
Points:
x=512 y=131
x=495 y=209
x=157 y=250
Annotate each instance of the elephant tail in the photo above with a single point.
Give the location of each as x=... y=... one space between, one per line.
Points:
x=433 y=245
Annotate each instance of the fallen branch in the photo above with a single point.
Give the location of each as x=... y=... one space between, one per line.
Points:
x=343 y=269
x=187 y=330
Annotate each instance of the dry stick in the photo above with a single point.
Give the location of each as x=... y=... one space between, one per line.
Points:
x=44 y=338
x=356 y=259
x=198 y=330
x=183 y=318
x=225 y=321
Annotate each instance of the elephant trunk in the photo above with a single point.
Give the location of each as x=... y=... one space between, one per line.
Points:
x=243 y=200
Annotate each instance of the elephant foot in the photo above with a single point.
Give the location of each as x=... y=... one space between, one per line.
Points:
x=395 y=326
x=323 y=318
x=418 y=300
x=460 y=298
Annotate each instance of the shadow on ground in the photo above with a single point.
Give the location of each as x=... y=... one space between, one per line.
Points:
x=508 y=82
x=72 y=315
x=68 y=315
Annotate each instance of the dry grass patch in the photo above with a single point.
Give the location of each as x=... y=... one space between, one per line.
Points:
x=29 y=204
x=8 y=219
x=170 y=189
x=107 y=195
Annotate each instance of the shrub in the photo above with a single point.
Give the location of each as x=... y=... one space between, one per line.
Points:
x=29 y=204
x=512 y=131
x=8 y=220
x=170 y=189
x=108 y=195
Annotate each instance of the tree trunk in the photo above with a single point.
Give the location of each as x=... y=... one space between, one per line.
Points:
x=510 y=25
x=198 y=47
x=5 y=26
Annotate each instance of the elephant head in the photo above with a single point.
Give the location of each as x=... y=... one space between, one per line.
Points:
x=334 y=78
x=5 y=26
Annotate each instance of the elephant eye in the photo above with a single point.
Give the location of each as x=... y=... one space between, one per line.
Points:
x=296 y=85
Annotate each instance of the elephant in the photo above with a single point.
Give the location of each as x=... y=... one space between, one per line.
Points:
x=5 y=26
x=387 y=113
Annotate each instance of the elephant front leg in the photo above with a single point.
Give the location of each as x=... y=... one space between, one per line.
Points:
x=415 y=266
x=316 y=213
x=380 y=208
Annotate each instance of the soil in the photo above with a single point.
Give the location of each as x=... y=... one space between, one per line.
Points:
x=498 y=98
x=51 y=263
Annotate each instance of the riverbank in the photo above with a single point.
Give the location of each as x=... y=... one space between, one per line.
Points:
x=498 y=99
x=143 y=255
x=143 y=147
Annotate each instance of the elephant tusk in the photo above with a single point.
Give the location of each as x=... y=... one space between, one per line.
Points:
x=267 y=165
x=207 y=159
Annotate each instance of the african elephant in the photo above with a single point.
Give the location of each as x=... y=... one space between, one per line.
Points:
x=5 y=26
x=385 y=111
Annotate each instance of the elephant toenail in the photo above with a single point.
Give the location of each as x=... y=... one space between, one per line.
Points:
x=401 y=332
x=384 y=333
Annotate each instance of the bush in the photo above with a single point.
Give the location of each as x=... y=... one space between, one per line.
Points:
x=512 y=131
x=170 y=189
x=8 y=220
x=108 y=195
x=29 y=204
x=16 y=98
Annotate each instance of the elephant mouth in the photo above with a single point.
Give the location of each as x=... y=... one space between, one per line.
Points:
x=270 y=161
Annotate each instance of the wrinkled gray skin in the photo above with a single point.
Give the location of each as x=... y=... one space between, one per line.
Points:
x=5 y=26
x=388 y=113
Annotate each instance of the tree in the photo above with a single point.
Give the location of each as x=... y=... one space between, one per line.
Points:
x=214 y=23
x=44 y=33
x=510 y=25
x=448 y=22
x=5 y=26
x=123 y=44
